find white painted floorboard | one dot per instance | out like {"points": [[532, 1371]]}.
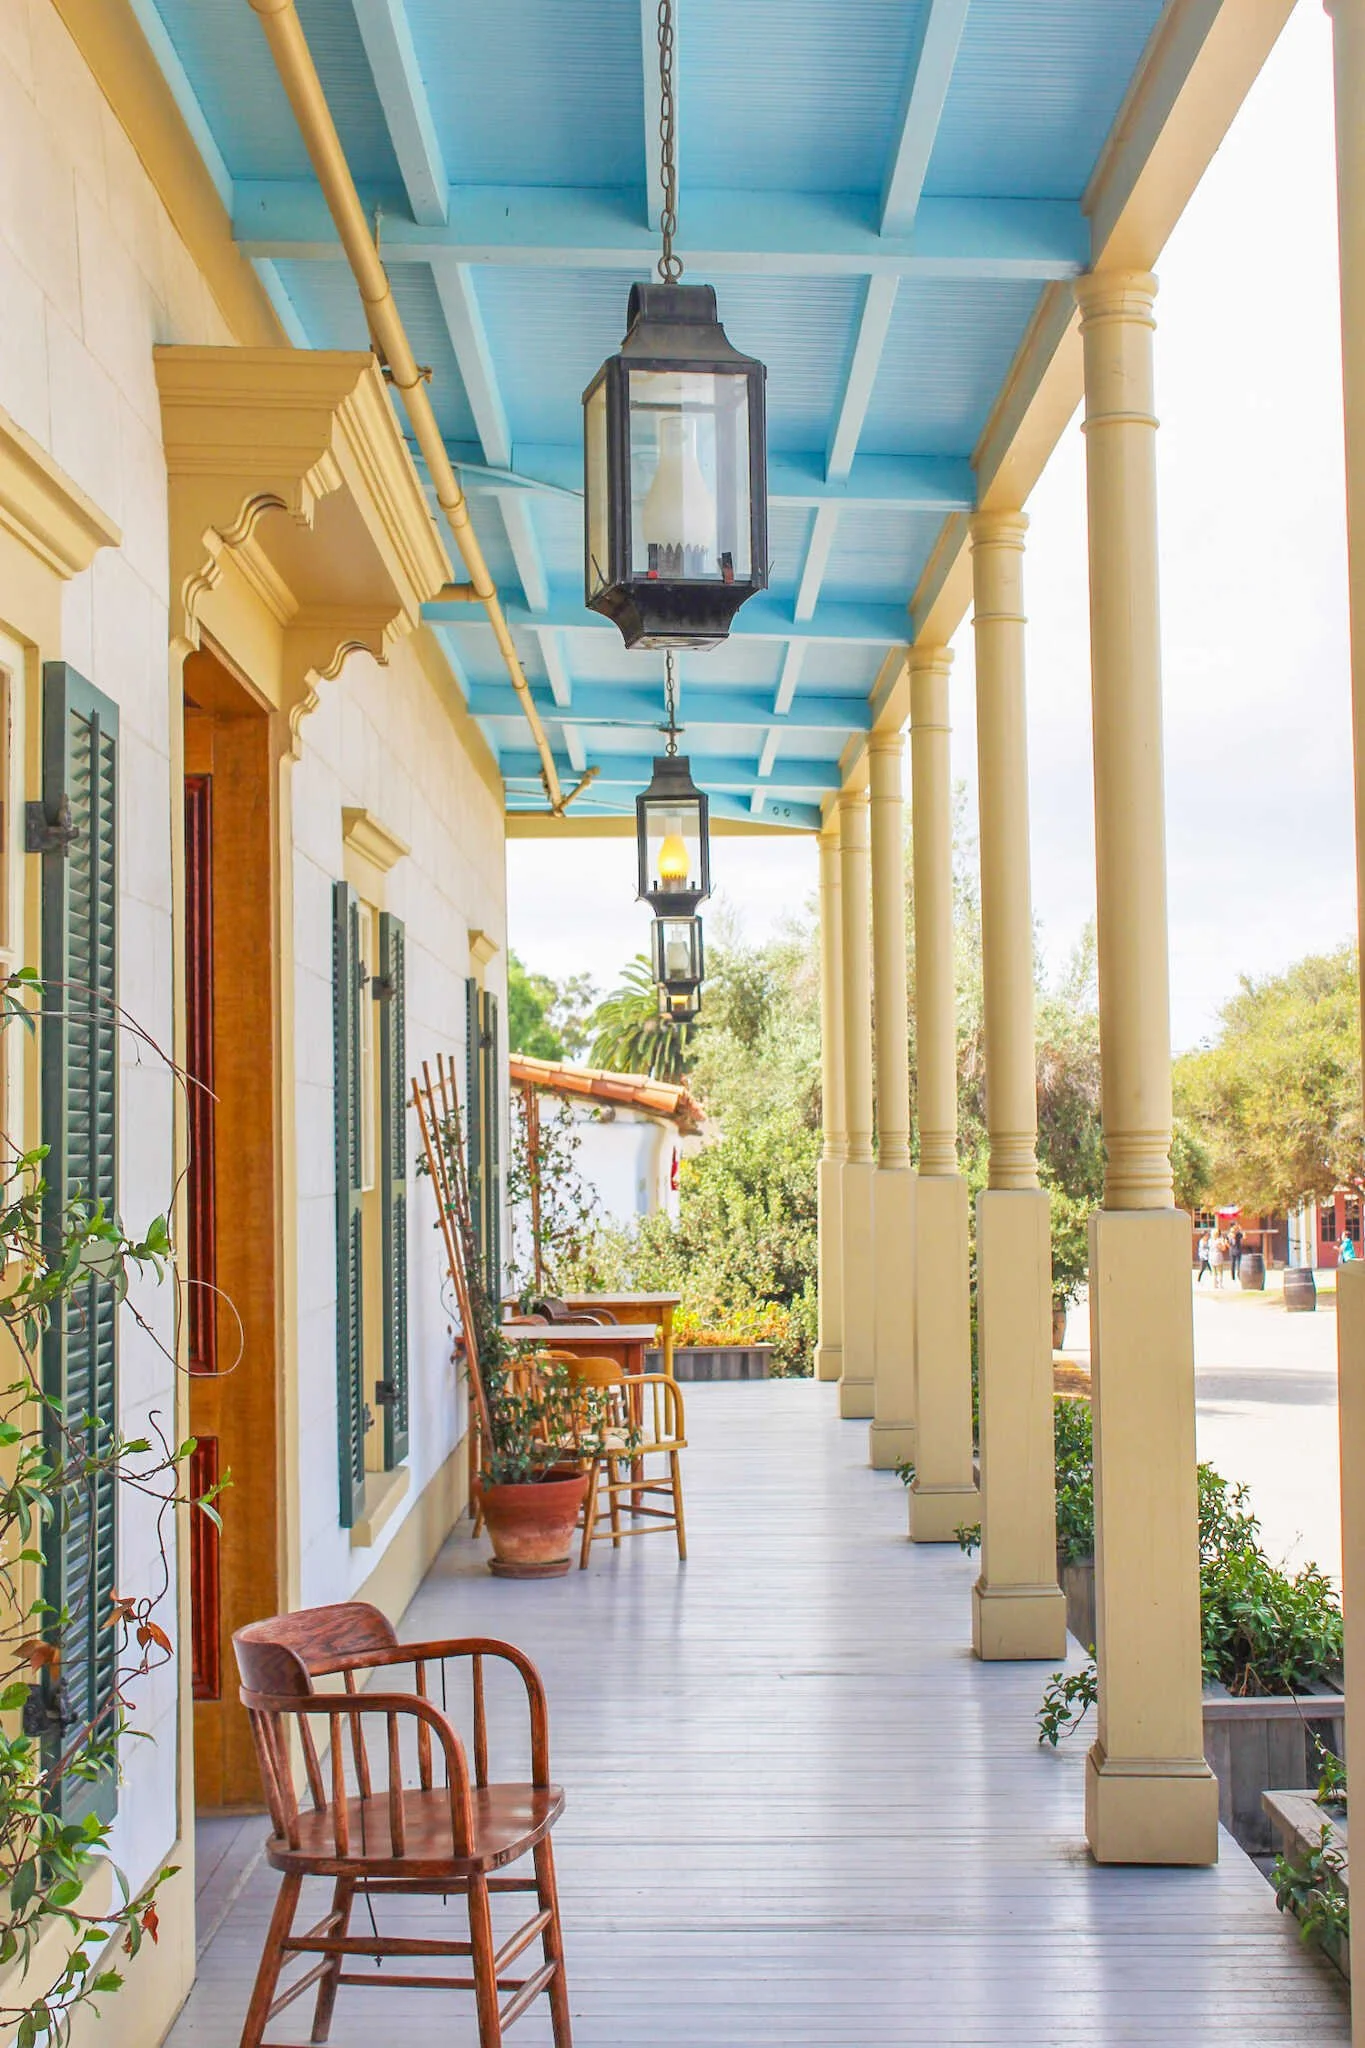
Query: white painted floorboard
{"points": [[800, 1813]]}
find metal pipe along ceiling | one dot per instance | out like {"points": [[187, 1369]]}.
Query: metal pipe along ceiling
{"points": [[294, 61]]}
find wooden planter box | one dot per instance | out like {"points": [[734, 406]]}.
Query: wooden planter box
{"points": [[1296, 1821], [1251, 1745], [1254, 1746], [715, 1361]]}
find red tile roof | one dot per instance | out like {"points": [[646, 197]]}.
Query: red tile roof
{"points": [[636, 1091]]}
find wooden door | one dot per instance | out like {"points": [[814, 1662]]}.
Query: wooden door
{"points": [[230, 1195]]}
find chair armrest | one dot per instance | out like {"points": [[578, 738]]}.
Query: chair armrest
{"points": [[482, 1646], [353, 1706]]}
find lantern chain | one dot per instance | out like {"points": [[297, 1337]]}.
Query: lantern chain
{"points": [[670, 266], [671, 702]]}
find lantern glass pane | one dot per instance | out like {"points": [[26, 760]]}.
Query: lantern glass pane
{"points": [[673, 845], [677, 949], [689, 476], [595, 443]]}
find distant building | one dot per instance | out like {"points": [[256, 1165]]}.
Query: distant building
{"points": [[631, 1132], [1317, 1229]]}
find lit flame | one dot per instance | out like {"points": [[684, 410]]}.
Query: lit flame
{"points": [[673, 859]]}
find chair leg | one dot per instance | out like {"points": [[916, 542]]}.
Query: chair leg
{"points": [[589, 1513], [614, 1480], [485, 1976], [272, 1961], [675, 1466], [557, 1990], [343, 1891]]}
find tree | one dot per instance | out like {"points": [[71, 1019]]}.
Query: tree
{"points": [[629, 1035], [1274, 1102], [530, 1001]]}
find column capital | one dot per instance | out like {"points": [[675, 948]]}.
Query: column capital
{"points": [[998, 530], [1126, 295], [930, 657], [852, 807], [888, 741], [929, 674]]}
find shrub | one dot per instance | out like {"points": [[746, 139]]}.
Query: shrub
{"points": [[1265, 1630], [1072, 1435]]}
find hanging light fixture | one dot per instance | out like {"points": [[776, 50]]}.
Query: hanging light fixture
{"points": [[672, 835], [677, 954], [675, 451], [680, 1006]]}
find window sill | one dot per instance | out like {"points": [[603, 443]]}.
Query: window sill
{"points": [[383, 1492]]}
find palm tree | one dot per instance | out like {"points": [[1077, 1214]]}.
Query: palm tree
{"points": [[629, 1035]]}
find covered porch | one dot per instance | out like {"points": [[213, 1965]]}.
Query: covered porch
{"points": [[802, 1812]]}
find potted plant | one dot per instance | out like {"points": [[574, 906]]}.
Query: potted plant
{"points": [[538, 1430]]}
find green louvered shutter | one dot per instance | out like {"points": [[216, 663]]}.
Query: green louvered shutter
{"points": [[350, 1305], [492, 1141], [393, 1147], [473, 1104], [80, 1127]]}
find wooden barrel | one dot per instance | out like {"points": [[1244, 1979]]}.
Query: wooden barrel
{"points": [[1252, 1273], [1300, 1290]]}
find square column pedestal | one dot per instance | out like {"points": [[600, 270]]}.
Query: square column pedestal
{"points": [[859, 1221], [891, 1439], [1018, 1609], [1149, 1795]]}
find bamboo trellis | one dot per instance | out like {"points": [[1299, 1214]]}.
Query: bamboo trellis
{"points": [[438, 1113]]}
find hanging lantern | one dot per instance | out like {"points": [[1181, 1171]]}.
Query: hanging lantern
{"points": [[672, 840], [677, 954], [675, 453]]}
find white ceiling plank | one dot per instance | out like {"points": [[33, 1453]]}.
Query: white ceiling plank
{"points": [[387, 36], [768, 756], [573, 747], [931, 70], [878, 303]]}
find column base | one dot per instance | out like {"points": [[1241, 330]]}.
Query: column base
{"points": [[890, 1444], [829, 1361], [1150, 1811], [1018, 1623], [938, 1512], [856, 1398]]}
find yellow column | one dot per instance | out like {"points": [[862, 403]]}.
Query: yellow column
{"points": [[1348, 45], [943, 1496], [1150, 1796], [860, 1173], [1017, 1606], [829, 1354], [891, 1439]]}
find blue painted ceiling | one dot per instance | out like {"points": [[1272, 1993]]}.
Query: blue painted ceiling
{"points": [[907, 171]]}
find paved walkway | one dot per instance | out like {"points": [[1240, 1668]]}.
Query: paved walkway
{"points": [[801, 1813]]}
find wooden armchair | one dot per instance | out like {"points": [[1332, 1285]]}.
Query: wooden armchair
{"points": [[644, 1421], [361, 1825]]}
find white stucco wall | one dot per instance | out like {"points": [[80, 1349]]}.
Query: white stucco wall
{"points": [[627, 1158], [381, 740]]}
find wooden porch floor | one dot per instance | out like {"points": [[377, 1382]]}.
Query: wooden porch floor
{"points": [[801, 1813]]}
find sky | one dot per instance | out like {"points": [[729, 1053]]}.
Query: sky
{"points": [[1254, 627]]}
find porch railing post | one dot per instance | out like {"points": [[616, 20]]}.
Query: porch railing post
{"points": [[1017, 1605], [859, 1175], [1348, 47], [891, 1439], [943, 1494], [1150, 1796], [829, 1356]]}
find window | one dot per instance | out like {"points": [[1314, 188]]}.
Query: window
{"points": [[1353, 1218], [1204, 1219], [1327, 1222], [369, 995]]}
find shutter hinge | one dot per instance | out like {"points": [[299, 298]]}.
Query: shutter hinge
{"points": [[385, 1394], [43, 834], [367, 1419], [382, 988]]}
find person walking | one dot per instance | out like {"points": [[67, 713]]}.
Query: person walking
{"points": [[1347, 1255], [1204, 1266], [1219, 1259], [1237, 1241]]}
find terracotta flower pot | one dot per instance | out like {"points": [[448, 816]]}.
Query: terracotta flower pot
{"points": [[531, 1526]]}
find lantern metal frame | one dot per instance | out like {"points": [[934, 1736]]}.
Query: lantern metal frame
{"points": [[672, 788], [671, 328], [696, 951], [679, 1006]]}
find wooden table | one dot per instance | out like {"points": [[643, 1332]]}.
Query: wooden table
{"points": [[621, 1307], [625, 1344]]}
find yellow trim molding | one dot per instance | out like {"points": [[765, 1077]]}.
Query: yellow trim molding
{"points": [[41, 506], [294, 502], [481, 948], [363, 833]]}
